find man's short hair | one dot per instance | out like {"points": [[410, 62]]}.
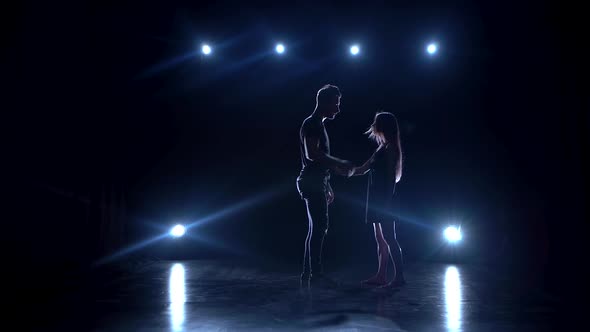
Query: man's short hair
{"points": [[327, 94]]}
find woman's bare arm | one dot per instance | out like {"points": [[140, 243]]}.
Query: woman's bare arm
{"points": [[362, 170]]}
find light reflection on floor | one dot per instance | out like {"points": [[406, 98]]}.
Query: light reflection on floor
{"points": [[177, 292], [453, 298]]}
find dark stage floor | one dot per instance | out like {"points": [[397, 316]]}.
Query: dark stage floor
{"points": [[227, 296]]}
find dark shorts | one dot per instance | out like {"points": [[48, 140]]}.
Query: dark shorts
{"points": [[311, 187]]}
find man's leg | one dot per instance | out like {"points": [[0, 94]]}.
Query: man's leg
{"points": [[306, 254], [317, 211]]}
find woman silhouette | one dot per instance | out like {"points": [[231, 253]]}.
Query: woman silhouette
{"points": [[385, 170]]}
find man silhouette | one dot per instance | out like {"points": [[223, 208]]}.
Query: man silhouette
{"points": [[313, 182]]}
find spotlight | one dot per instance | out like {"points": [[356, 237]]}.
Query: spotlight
{"points": [[354, 50], [453, 234], [432, 48], [206, 49], [280, 48], [177, 231]]}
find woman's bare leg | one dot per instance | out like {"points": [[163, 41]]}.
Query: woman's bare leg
{"points": [[383, 254], [388, 230]]}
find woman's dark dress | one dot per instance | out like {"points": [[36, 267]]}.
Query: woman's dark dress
{"points": [[381, 186]]}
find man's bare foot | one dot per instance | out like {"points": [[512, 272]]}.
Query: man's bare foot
{"points": [[395, 283], [375, 281]]}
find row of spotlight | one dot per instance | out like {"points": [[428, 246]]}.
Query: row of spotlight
{"points": [[355, 50]]}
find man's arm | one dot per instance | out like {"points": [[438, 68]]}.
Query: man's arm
{"points": [[313, 153], [329, 193]]}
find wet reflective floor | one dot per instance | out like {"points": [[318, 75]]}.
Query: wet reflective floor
{"points": [[227, 296]]}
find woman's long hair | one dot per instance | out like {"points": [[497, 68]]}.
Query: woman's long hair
{"points": [[385, 130]]}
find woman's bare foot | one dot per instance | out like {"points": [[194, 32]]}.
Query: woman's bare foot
{"points": [[376, 280]]}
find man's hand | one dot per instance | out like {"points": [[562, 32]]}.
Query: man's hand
{"points": [[330, 196], [344, 168]]}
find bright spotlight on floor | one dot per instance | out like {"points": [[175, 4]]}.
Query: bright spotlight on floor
{"points": [[432, 48], [206, 49], [177, 231], [354, 50], [453, 234], [280, 48]]}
